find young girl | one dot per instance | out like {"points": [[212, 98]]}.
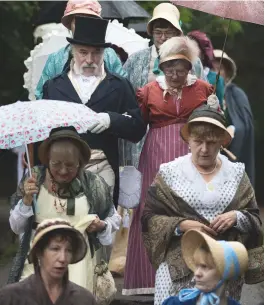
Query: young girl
{"points": [[213, 263]]}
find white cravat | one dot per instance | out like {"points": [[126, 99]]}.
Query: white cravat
{"points": [[85, 85]]}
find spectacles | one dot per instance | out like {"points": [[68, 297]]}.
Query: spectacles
{"points": [[170, 73], [59, 165], [170, 34]]}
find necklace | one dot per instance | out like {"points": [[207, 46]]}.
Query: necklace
{"points": [[207, 173], [61, 207]]}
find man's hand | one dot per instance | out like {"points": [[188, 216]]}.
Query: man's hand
{"points": [[102, 123], [224, 222]]}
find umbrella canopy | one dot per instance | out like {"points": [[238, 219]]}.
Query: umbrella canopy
{"points": [[52, 11], [29, 122], [244, 10], [122, 10]]}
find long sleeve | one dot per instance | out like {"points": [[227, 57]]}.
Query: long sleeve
{"points": [[141, 95], [243, 224], [128, 123], [113, 62], [113, 224], [19, 216]]}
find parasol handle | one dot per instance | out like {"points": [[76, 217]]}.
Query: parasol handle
{"points": [[218, 74], [29, 165]]}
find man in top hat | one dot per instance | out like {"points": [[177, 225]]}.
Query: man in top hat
{"points": [[88, 81]]}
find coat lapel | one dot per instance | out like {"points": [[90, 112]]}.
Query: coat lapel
{"points": [[66, 89]]}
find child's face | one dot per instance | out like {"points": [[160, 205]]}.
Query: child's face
{"points": [[206, 275]]}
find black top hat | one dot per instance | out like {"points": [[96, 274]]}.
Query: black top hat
{"points": [[90, 32]]}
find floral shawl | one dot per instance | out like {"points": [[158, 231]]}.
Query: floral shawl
{"points": [[164, 210], [99, 197]]}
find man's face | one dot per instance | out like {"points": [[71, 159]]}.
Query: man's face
{"points": [[160, 35], [88, 60]]}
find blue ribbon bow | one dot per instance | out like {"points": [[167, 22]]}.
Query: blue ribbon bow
{"points": [[210, 298]]}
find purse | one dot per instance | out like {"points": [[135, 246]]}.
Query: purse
{"points": [[130, 187], [255, 272], [104, 284]]}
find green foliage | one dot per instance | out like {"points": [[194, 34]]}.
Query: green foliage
{"points": [[16, 41]]}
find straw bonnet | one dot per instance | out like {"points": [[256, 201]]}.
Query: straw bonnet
{"points": [[67, 133], [209, 115], [49, 225], [228, 60], [220, 250], [179, 48], [75, 7], [165, 11]]}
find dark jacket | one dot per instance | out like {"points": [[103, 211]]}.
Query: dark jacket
{"points": [[240, 115], [31, 291], [115, 96]]}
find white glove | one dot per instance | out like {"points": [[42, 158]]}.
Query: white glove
{"points": [[102, 123]]}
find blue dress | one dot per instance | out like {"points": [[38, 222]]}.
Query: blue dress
{"points": [[176, 301], [56, 62], [220, 87]]}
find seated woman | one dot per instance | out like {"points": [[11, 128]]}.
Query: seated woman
{"points": [[202, 190], [56, 244], [166, 105], [213, 263], [63, 188]]}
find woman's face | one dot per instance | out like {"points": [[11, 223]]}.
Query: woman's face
{"points": [[176, 73], [63, 161], [204, 151], [55, 258], [206, 277]]}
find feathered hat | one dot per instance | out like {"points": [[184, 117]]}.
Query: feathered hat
{"points": [[179, 48]]}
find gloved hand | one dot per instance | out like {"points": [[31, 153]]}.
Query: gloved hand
{"points": [[213, 101], [102, 123]]}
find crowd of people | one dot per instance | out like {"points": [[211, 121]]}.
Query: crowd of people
{"points": [[197, 216]]}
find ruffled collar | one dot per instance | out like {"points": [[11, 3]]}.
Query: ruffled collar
{"points": [[161, 80]]}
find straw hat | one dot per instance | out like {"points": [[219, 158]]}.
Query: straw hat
{"points": [[228, 60], [67, 133], [74, 7], [49, 225], [179, 48], [209, 115], [165, 11], [193, 239]]}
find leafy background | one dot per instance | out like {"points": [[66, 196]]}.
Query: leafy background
{"points": [[245, 45]]}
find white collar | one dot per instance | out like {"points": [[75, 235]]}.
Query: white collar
{"points": [[161, 80], [154, 53]]}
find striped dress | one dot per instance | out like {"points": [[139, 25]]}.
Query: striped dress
{"points": [[163, 144]]}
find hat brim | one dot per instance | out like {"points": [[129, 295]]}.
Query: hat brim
{"points": [[86, 43], [45, 146], [194, 239], [184, 132], [67, 19], [79, 252], [164, 16]]}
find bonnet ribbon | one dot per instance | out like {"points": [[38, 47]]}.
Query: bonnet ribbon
{"points": [[156, 69], [210, 298]]}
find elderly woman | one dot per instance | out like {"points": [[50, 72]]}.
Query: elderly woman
{"points": [[213, 263], [56, 244], [202, 190], [166, 105], [58, 61], [63, 188]]}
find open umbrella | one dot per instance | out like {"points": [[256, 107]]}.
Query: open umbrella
{"points": [[244, 10], [23, 123]]}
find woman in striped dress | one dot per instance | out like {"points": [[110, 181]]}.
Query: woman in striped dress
{"points": [[166, 105]]}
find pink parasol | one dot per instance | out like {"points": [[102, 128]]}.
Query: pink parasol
{"points": [[242, 10]]}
